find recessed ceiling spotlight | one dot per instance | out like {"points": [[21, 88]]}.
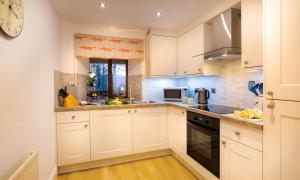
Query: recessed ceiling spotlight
{"points": [[102, 5], [158, 14]]}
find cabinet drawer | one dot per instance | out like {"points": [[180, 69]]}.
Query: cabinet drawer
{"points": [[70, 117], [249, 136]]}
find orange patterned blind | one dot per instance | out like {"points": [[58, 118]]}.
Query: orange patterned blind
{"points": [[91, 46]]}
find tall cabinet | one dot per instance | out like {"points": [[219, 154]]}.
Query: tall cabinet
{"points": [[282, 90]]}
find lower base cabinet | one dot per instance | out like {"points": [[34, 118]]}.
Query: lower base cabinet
{"points": [[177, 131], [239, 162], [111, 133], [73, 143], [150, 129]]}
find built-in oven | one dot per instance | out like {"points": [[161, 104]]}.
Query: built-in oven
{"points": [[203, 141]]}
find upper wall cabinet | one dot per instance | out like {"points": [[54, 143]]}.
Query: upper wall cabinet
{"points": [[252, 33], [282, 48], [189, 47], [161, 55]]}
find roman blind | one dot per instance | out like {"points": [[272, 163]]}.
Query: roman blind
{"points": [[92, 46]]}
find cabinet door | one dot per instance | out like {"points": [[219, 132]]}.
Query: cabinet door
{"points": [[189, 45], [239, 161], [111, 133], [282, 49], [163, 55], [73, 143], [281, 140], [177, 131], [182, 54], [150, 131], [196, 45], [252, 33]]}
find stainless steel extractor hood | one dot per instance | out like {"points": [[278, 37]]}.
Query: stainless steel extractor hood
{"points": [[222, 36]]}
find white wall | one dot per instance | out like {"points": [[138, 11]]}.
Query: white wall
{"points": [[26, 92]]}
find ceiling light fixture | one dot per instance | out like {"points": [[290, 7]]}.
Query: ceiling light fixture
{"points": [[102, 5], [158, 14]]}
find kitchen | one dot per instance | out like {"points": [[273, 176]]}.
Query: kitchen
{"points": [[149, 89]]}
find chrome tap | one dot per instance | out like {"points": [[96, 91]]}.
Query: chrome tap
{"points": [[131, 94]]}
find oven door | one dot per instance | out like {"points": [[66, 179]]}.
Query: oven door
{"points": [[203, 145]]}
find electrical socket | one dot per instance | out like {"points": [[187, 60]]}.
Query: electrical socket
{"points": [[213, 90]]}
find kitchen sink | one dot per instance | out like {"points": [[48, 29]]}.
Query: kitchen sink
{"points": [[142, 102]]}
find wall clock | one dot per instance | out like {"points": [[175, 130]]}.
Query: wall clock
{"points": [[11, 17]]}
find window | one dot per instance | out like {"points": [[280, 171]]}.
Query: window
{"points": [[108, 77]]}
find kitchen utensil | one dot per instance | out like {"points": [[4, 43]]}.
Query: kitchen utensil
{"points": [[261, 88], [252, 86]]}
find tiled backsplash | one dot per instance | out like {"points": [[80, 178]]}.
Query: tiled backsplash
{"points": [[63, 79], [231, 86]]}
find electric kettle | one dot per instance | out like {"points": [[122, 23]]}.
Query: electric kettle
{"points": [[203, 96]]}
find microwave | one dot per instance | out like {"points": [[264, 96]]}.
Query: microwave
{"points": [[175, 94]]}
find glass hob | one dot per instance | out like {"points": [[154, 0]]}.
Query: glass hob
{"points": [[219, 109]]}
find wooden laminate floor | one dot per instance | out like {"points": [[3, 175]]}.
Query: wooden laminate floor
{"points": [[160, 168]]}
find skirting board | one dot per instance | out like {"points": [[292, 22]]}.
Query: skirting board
{"points": [[190, 168], [112, 161], [53, 174]]}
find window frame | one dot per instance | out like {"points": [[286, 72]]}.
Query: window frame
{"points": [[110, 62]]}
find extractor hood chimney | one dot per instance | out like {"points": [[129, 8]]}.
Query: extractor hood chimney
{"points": [[222, 36]]}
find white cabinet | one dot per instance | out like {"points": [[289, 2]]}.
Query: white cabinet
{"points": [[282, 46], [73, 143], [252, 33], [182, 54], [195, 40], [239, 161], [282, 84], [281, 140], [161, 55], [177, 131], [72, 116], [249, 136], [189, 45], [241, 152], [111, 133], [150, 129], [189, 61]]}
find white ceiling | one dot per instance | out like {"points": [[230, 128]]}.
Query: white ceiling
{"points": [[139, 14]]}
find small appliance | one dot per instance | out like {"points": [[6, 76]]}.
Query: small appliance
{"points": [[175, 94], [203, 95]]}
